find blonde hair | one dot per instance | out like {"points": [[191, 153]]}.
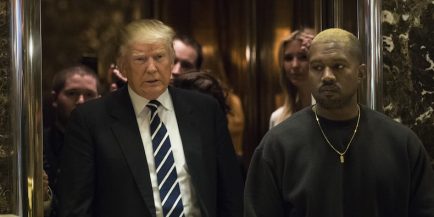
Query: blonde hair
{"points": [[290, 92], [337, 35], [145, 31]]}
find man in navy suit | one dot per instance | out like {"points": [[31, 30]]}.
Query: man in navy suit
{"points": [[108, 166]]}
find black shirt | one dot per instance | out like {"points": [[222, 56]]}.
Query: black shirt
{"points": [[294, 172]]}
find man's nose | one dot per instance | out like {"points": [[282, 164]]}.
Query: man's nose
{"points": [[328, 75], [80, 99], [151, 66], [176, 68]]}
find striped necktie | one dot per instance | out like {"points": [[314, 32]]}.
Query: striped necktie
{"points": [[168, 185]]}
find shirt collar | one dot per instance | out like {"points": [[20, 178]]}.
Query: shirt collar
{"points": [[139, 102]]}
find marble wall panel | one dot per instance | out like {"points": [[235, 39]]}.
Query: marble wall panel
{"points": [[6, 149], [408, 56]]}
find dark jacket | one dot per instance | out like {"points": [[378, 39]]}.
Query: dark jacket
{"points": [[104, 168]]}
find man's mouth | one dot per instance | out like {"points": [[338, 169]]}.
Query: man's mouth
{"points": [[329, 88], [151, 81]]}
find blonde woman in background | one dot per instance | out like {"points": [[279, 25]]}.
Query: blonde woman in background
{"points": [[294, 75]]}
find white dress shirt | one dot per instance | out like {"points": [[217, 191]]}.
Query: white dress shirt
{"points": [[166, 113]]}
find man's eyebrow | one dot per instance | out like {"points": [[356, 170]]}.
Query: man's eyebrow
{"points": [[75, 89], [137, 54], [160, 51], [340, 60], [336, 59]]}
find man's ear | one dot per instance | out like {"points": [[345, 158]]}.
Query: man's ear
{"points": [[361, 72], [54, 98]]}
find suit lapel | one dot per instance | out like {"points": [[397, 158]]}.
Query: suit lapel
{"points": [[191, 141], [126, 131]]}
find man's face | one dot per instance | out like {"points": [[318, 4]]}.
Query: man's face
{"points": [[77, 90], [148, 68], [336, 74], [185, 57], [295, 63]]}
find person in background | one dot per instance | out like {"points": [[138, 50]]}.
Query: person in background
{"points": [[71, 87], [338, 158], [294, 75], [149, 149], [235, 121], [188, 52], [189, 57], [205, 83], [202, 82]]}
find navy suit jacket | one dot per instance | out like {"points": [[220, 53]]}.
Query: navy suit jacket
{"points": [[104, 172]]}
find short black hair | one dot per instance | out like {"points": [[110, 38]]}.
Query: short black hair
{"points": [[190, 41], [60, 77]]}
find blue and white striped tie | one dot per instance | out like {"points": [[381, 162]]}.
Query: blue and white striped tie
{"points": [[170, 193]]}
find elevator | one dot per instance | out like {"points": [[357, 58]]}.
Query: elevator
{"points": [[239, 38]]}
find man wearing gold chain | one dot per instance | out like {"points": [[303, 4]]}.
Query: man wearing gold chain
{"points": [[338, 158]]}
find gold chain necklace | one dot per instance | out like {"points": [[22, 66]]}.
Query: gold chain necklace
{"points": [[341, 154]]}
